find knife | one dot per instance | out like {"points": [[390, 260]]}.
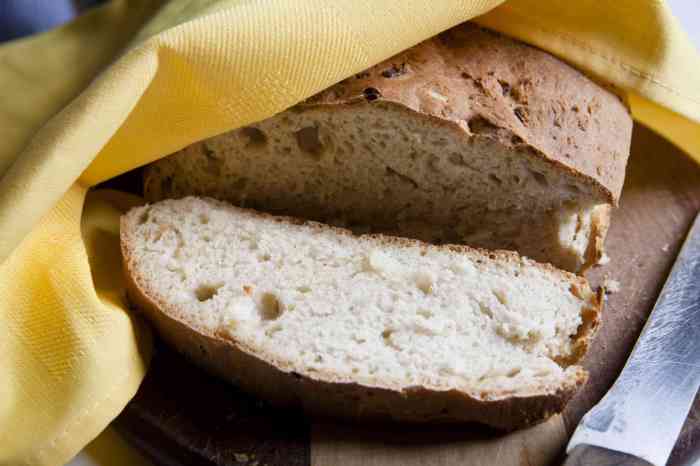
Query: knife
{"points": [[639, 419]]}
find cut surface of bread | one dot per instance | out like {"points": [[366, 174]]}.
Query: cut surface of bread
{"points": [[469, 137], [359, 326]]}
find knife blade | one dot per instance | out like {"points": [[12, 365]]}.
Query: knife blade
{"points": [[643, 413]]}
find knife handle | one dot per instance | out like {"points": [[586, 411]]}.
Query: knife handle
{"points": [[589, 455]]}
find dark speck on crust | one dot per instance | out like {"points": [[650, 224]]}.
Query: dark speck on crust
{"points": [[394, 71], [371, 94]]}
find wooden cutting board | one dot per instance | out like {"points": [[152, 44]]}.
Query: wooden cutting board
{"points": [[181, 416]]}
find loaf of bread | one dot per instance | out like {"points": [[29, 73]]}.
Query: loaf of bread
{"points": [[469, 137], [368, 326]]}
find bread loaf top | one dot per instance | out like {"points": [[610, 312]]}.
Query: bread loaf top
{"points": [[493, 87]]}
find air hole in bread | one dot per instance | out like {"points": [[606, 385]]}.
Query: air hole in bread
{"points": [[144, 217], [485, 309], [501, 297], [270, 307], [513, 372], [480, 125], [391, 172], [309, 141], [256, 138], [203, 219], [264, 257], [424, 281], [495, 179], [206, 292], [521, 114], [303, 289], [540, 178]]}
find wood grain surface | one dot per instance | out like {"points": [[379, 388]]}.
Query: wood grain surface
{"points": [[588, 455], [181, 416], [337, 444]]}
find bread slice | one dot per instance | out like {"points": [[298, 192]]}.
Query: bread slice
{"points": [[359, 326], [469, 137]]}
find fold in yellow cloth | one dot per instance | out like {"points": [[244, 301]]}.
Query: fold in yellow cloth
{"points": [[71, 356]]}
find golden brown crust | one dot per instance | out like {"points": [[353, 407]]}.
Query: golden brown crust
{"points": [[490, 86], [327, 395]]}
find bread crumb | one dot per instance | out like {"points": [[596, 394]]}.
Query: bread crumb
{"points": [[604, 259], [611, 286], [665, 247], [241, 457]]}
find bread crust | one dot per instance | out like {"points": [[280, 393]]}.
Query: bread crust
{"points": [[328, 394], [489, 86]]}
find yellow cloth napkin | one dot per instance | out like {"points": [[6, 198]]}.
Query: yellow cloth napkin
{"points": [[71, 356]]}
